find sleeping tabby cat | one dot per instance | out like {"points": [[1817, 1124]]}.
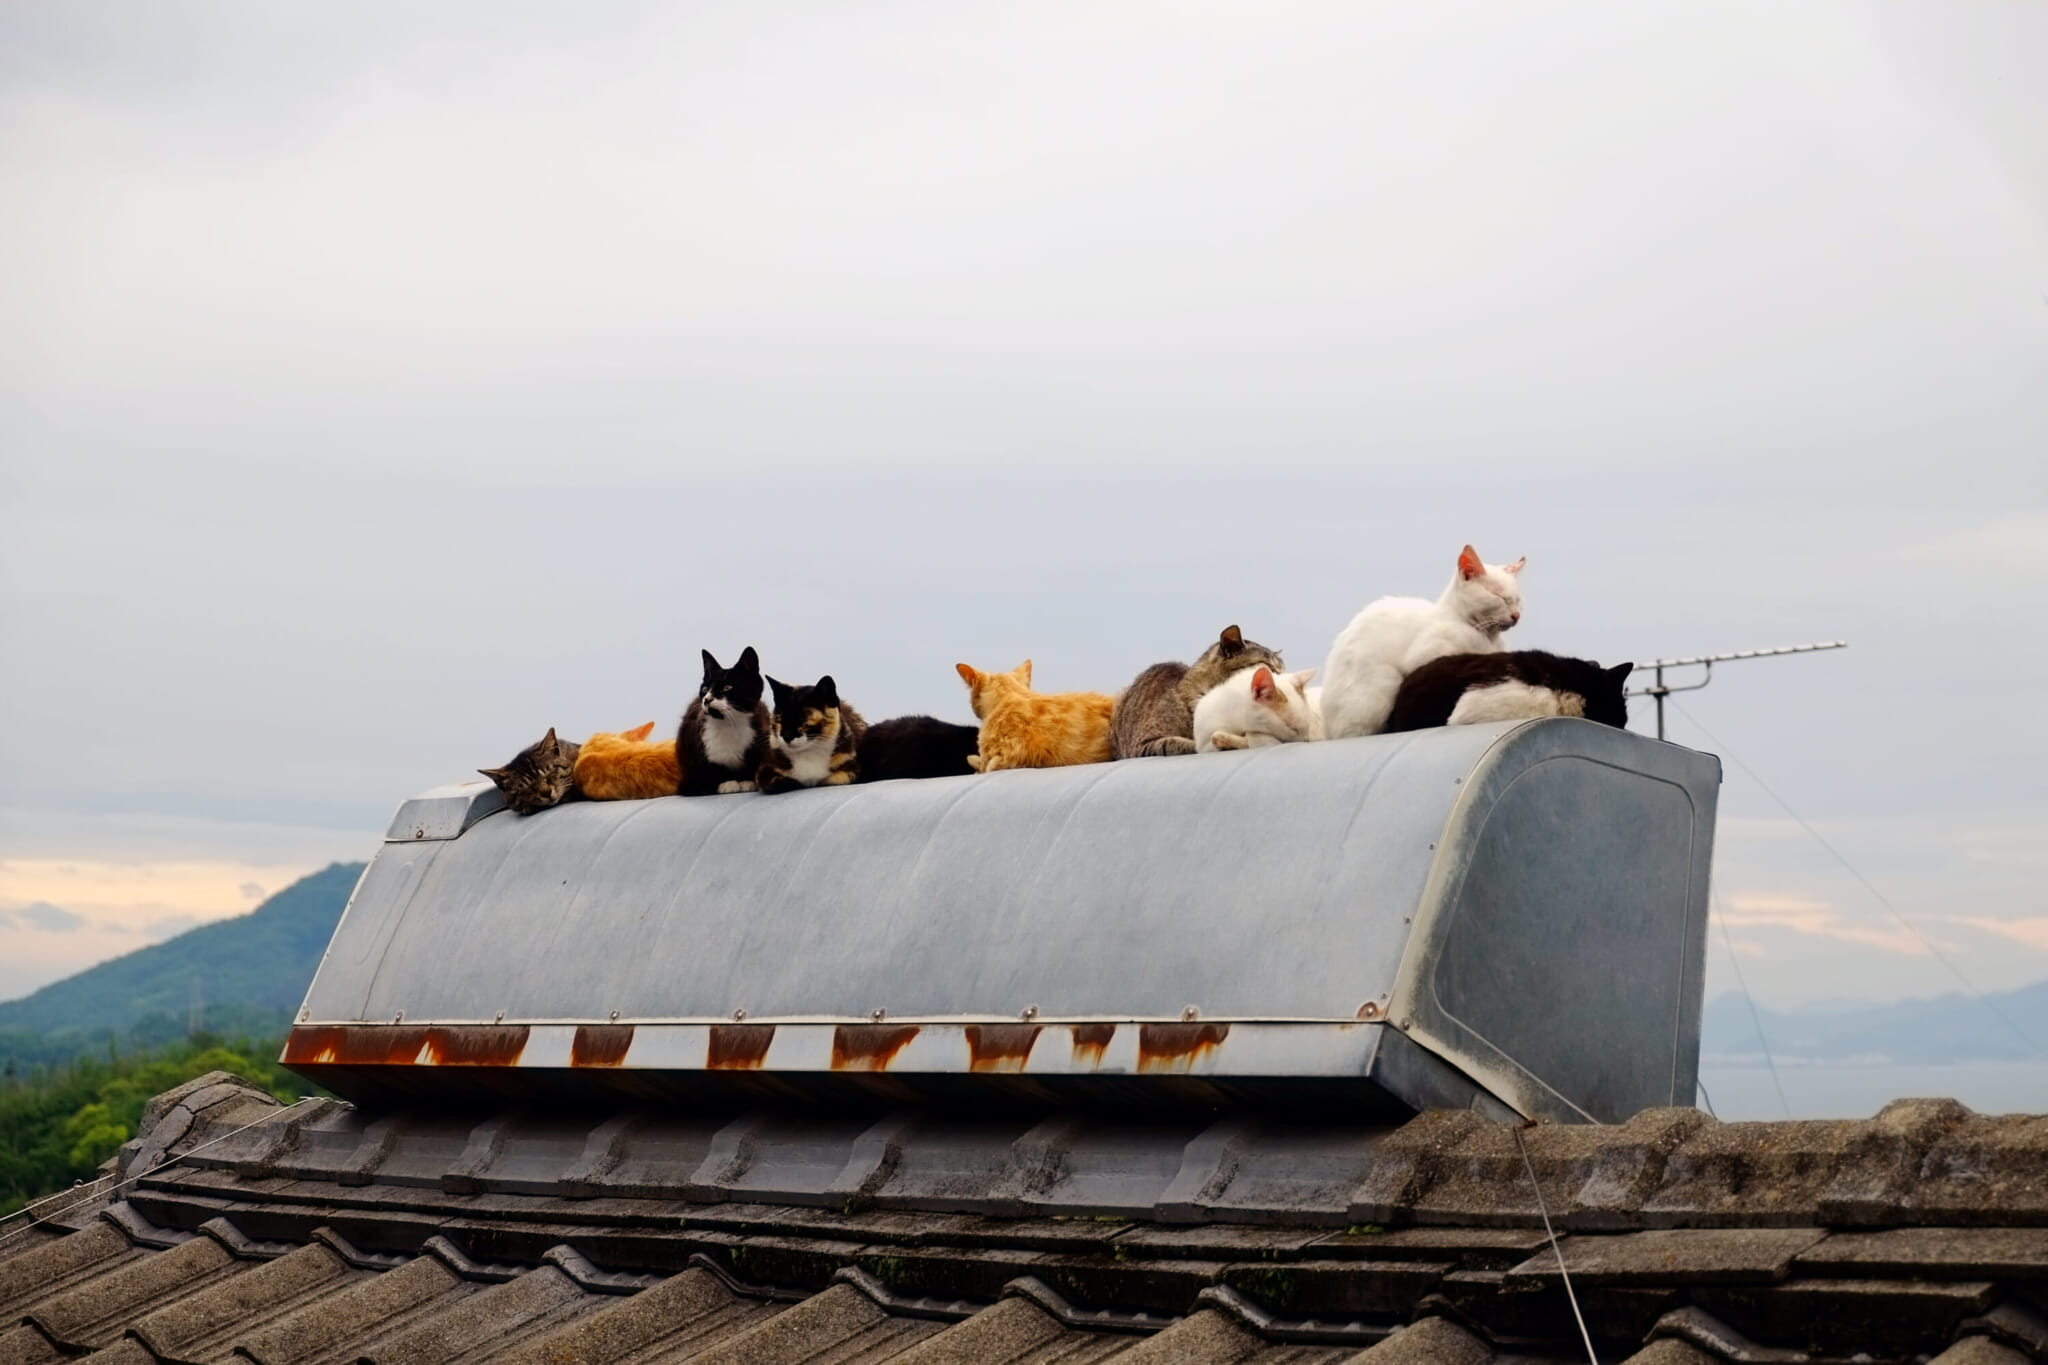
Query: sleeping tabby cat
{"points": [[1025, 729], [1156, 713], [627, 766], [540, 775]]}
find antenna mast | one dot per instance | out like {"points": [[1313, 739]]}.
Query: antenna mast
{"points": [[1659, 690]]}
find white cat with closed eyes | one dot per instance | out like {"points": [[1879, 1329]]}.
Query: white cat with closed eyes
{"points": [[1254, 707], [1395, 636]]}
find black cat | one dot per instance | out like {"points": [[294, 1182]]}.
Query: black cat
{"points": [[917, 746], [1470, 689], [724, 735]]}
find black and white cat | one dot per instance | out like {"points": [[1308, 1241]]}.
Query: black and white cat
{"points": [[1471, 689], [724, 735]]}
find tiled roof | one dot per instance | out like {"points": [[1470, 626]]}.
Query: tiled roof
{"points": [[329, 1235]]}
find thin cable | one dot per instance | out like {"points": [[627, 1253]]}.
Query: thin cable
{"points": [[1876, 894], [1709, 1099], [1754, 1018], [1555, 1250], [304, 1099]]}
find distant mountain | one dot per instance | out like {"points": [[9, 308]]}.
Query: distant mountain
{"points": [[1998, 1026], [252, 973]]}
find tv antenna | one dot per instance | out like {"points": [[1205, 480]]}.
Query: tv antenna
{"points": [[1660, 690]]}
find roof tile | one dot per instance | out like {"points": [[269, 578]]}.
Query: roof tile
{"points": [[94, 1313], [1432, 1341], [1687, 1256]]}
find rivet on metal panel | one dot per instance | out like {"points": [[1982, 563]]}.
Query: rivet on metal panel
{"points": [[615, 1016], [419, 831], [499, 1017], [877, 1016], [1369, 1010], [1407, 1024], [398, 1018], [738, 1015], [1029, 1013], [1190, 1013], [304, 1015]]}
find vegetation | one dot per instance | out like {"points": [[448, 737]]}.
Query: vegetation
{"points": [[251, 972], [58, 1123]]}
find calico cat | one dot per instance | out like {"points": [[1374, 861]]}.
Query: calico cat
{"points": [[1025, 729], [627, 766], [813, 738], [1395, 636], [917, 746], [540, 775], [1255, 707], [1471, 689], [724, 735], [1156, 713]]}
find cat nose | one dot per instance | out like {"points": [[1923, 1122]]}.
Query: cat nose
{"points": [[1514, 618]]}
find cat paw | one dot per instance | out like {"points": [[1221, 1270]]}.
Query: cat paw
{"points": [[974, 762], [1171, 744], [728, 788], [1225, 739]]}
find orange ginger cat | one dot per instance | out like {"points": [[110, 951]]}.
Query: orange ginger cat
{"points": [[628, 766], [1025, 729]]}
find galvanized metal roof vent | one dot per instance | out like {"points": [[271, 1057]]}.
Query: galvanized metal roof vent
{"points": [[1510, 917]]}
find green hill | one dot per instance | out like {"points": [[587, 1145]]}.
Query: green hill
{"points": [[252, 972]]}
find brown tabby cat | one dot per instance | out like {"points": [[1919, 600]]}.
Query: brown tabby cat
{"points": [[1156, 713], [540, 775], [627, 766], [1025, 729]]}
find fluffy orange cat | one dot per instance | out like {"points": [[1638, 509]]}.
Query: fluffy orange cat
{"points": [[628, 766], [1025, 729]]}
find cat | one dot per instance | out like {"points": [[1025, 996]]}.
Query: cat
{"points": [[1025, 729], [1156, 713], [917, 746], [540, 775], [813, 738], [628, 766], [1394, 636], [724, 734], [1255, 707], [1471, 689]]}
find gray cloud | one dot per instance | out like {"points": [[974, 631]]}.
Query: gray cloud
{"points": [[50, 919]]}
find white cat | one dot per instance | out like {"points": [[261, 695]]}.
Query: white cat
{"points": [[1254, 707], [1396, 635]]}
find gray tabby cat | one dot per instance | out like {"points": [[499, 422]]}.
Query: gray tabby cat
{"points": [[1156, 714]]}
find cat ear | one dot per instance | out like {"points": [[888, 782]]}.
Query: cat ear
{"points": [[750, 662], [710, 663], [1231, 640], [1263, 686], [1469, 563], [1304, 677], [1620, 672], [1022, 672], [548, 743], [781, 690], [640, 731], [497, 775], [825, 692], [1515, 567], [967, 674]]}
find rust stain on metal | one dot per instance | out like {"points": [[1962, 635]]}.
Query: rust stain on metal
{"points": [[1091, 1041], [1000, 1047], [600, 1044], [1176, 1047], [353, 1045], [869, 1047], [404, 1044], [476, 1045], [739, 1047]]}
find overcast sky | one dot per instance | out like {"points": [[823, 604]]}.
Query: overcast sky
{"points": [[381, 384]]}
